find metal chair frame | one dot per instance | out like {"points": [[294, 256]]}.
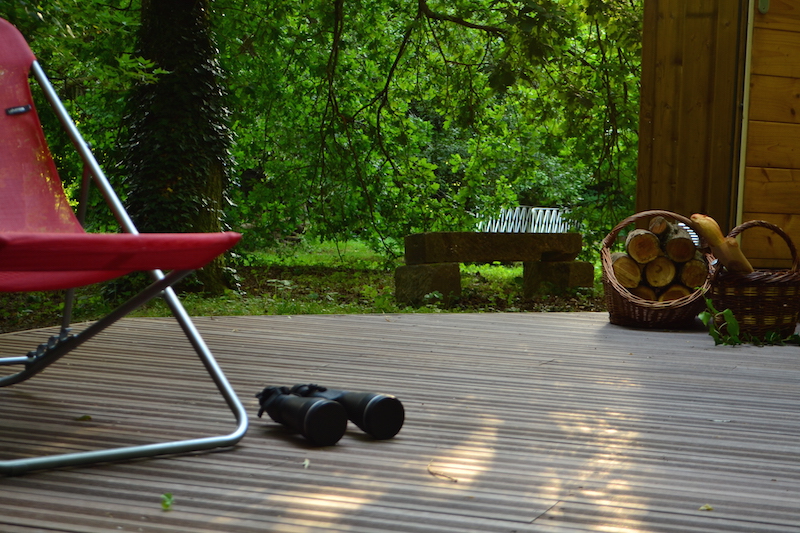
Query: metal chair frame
{"points": [[59, 345]]}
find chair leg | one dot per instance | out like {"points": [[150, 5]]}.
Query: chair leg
{"points": [[59, 345], [59, 349]]}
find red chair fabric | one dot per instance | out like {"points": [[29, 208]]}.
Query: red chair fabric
{"points": [[42, 244], [52, 261], [31, 195]]}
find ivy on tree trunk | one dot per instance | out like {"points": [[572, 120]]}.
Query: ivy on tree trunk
{"points": [[177, 150]]}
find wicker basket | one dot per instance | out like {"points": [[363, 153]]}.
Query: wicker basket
{"points": [[763, 301], [627, 309]]}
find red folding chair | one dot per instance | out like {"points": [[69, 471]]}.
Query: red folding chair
{"points": [[43, 247]]}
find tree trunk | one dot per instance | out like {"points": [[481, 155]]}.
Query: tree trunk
{"points": [[178, 141]]}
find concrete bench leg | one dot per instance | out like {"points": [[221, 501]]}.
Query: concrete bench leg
{"points": [[555, 276], [413, 282]]}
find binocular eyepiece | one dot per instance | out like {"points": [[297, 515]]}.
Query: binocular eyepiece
{"points": [[320, 414]]}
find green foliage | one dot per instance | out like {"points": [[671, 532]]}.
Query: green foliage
{"points": [[86, 49], [724, 329], [374, 119], [773, 338], [167, 501], [722, 325]]}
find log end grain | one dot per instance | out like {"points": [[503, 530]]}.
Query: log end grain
{"points": [[643, 245], [627, 271], [673, 292], [660, 272]]}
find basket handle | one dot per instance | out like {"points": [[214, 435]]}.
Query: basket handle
{"points": [[608, 242], [770, 226]]}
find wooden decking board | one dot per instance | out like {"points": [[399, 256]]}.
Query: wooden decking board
{"points": [[515, 422], [632, 519], [257, 509]]}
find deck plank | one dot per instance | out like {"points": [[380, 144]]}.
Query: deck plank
{"points": [[545, 422]]}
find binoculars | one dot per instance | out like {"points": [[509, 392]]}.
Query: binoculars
{"points": [[320, 414]]}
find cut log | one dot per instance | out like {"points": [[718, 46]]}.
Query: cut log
{"points": [[644, 292], [642, 245], [673, 292], [695, 271], [660, 272], [678, 244], [626, 270], [659, 225]]}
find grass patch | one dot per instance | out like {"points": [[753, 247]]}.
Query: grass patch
{"points": [[299, 279], [351, 254]]}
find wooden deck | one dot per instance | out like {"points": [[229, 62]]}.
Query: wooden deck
{"points": [[548, 422]]}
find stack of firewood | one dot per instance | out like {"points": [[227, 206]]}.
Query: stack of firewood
{"points": [[660, 263]]}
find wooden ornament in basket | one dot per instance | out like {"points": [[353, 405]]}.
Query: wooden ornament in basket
{"points": [[627, 309], [763, 301]]}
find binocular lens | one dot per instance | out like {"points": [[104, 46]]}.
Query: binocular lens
{"points": [[379, 415], [322, 422]]}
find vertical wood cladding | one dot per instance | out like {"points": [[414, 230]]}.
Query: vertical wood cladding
{"points": [[691, 99], [772, 160]]}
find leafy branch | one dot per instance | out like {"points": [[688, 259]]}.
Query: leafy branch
{"points": [[724, 329], [429, 13], [722, 326]]}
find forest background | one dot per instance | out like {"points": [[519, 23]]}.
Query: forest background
{"points": [[347, 121]]}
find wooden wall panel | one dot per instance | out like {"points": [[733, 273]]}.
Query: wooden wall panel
{"points": [[646, 181], [778, 99], [782, 15], [696, 107], [772, 178], [773, 144], [727, 95], [660, 95], [766, 249], [775, 53], [771, 194], [692, 86], [772, 190]]}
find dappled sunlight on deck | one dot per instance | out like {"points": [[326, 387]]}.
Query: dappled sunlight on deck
{"points": [[514, 422], [467, 460]]}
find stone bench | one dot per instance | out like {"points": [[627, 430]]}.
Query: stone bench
{"points": [[433, 262]]}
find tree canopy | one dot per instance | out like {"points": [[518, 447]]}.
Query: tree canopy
{"points": [[379, 118]]}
